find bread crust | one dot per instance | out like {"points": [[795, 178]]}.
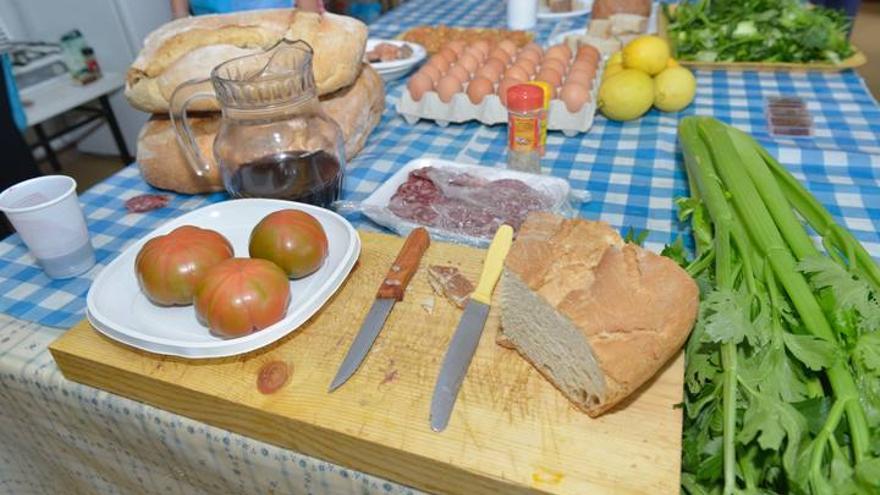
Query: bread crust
{"points": [[634, 308], [189, 48], [357, 109], [603, 9]]}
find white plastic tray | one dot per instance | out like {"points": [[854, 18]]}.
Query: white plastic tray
{"points": [[118, 309], [491, 111], [375, 206], [581, 7]]}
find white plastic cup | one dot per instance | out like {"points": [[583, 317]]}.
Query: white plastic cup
{"points": [[522, 14], [46, 213]]}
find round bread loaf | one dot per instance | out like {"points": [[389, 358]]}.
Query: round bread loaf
{"points": [[189, 48], [596, 316], [356, 108]]}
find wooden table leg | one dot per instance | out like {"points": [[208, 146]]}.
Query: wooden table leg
{"points": [[114, 128]]}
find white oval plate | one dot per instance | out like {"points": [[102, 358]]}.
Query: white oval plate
{"points": [[581, 7], [118, 309], [419, 54]]}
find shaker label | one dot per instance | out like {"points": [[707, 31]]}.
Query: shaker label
{"points": [[525, 133]]}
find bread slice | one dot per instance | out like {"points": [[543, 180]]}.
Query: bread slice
{"points": [[597, 317]]}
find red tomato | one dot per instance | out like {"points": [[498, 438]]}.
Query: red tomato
{"points": [[169, 266], [292, 239], [240, 296]]}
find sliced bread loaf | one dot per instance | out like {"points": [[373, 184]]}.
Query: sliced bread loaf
{"points": [[597, 317]]}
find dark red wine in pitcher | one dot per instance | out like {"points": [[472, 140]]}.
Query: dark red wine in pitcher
{"points": [[307, 177]]}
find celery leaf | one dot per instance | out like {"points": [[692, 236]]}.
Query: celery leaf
{"points": [[850, 292], [867, 351], [770, 421], [814, 352], [725, 314]]}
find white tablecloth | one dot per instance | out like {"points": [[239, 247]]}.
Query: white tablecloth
{"points": [[59, 437]]}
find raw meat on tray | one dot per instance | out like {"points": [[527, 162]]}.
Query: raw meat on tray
{"points": [[463, 203]]}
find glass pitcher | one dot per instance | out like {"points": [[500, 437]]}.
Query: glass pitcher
{"points": [[274, 140]]}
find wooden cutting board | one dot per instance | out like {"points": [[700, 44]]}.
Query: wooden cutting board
{"points": [[511, 431]]}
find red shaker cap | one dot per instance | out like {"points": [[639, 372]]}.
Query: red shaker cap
{"points": [[525, 98]]}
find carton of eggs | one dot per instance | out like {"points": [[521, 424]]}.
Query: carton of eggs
{"points": [[469, 82]]}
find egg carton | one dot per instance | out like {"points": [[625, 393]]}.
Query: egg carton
{"points": [[491, 111]]}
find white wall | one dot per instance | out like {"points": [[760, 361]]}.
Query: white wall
{"points": [[114, 28]]}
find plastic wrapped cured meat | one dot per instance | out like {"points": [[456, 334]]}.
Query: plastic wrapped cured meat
{"points": [[464, 203]]}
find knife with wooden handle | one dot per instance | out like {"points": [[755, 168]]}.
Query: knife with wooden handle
{"points": [[393, 286], [470, 328]]}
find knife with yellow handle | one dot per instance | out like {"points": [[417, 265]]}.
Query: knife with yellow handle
{"points": [[470, 328]]}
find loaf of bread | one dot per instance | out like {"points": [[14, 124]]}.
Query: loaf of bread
{"points": [[596, 316], [356, 108], [189, 48], [603, 9]]}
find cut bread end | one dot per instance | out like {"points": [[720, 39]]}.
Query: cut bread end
{"points": [[563, 356]]}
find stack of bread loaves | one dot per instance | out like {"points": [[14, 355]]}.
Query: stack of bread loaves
{"points": [[350, 91]]}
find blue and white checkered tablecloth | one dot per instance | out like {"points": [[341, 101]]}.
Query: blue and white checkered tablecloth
{"points": [[632, 170]]}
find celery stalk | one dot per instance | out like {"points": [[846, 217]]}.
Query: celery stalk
{"points": [[759, 222]]}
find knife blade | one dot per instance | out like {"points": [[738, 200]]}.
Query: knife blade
{"points": [[391, 291], [467, 334]]}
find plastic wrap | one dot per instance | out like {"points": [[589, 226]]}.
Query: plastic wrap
{"points": [[788, 116], [464, 203]]}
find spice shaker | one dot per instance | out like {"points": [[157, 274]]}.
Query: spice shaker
{"points": [[545, 87], [525, 110]]}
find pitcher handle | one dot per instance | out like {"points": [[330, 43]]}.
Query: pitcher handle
{"points": [[183, 96]]}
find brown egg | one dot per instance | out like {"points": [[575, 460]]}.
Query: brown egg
{"points": [[534, 47], [580, 76], [447, 87], [508, 46], [479, 88], [498, 62], [475, 52], [460, 73], [587, 52], [457, 46], [527, 66], [582, 65], [500, 55], [555, 64], [469, 62], [448, 54], [561, 52], [482, 45], [440, 63], [533, 57], [550, 76], [517, 73], [490, 72], [574, 96], [432, 72], [418, 85], [503, 86]]}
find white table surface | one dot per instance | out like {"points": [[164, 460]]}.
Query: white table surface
{"points": [[62, 94]]}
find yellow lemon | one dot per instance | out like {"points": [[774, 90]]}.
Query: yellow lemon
{"points": [[648, 53], [672, 63], [674, 89], [626, 95], [612, 70], [615, 58]]}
